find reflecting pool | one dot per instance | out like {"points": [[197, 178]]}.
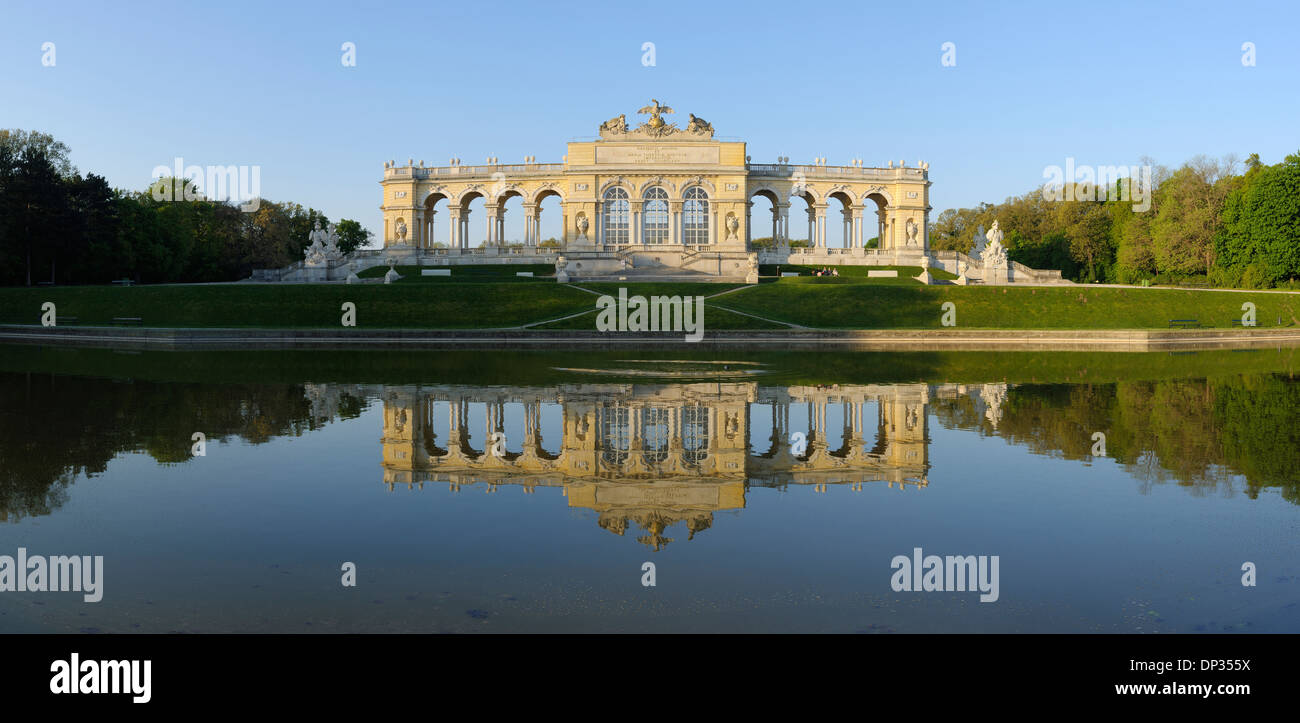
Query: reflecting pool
{"points": [[526, 491]]}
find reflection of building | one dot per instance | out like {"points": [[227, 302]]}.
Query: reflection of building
{"points": [[656, 454]]}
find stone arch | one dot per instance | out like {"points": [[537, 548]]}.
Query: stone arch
{"points": [[693, 182], [618, 182], [468, 194], [428, 235], [880, 191], [849, 206], [658, 181], [544, 192], [884, 203]]}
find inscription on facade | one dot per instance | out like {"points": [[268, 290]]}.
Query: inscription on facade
{"points": [[656, 154]]}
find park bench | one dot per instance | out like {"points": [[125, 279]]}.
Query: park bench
{"points": [[65, 320], [123, 282], [1184, 324], [127, 321], [1239, 322]]}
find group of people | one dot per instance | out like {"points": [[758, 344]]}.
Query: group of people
{"points": [[823, 271]]}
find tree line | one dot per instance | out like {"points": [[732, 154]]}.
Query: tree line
{"points": [[59, 226], [1205, 222]]}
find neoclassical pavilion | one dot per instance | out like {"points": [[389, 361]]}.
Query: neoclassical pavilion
{"points": [[655, 196]]}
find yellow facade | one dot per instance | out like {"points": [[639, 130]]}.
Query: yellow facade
{"points": [[657, 189]]}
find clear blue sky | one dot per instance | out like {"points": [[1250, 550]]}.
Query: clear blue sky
{"points": [[136, 85]]}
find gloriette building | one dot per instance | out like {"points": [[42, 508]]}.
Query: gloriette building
{"points": [[660, 198]]}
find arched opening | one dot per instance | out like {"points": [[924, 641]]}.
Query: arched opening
{"points": [[801, 206], [511, 224], [840, 230], [472, 207], [436, 217], [763, 222], [882, 232], [548, 219]]}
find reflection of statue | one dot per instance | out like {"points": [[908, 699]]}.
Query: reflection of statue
{"points": [[615, 125], [993, 395], [698, 125]]}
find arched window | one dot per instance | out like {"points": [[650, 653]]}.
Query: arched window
{"points": [[615, 438], [616, 215], [695, 434], [655, 213], [695, 221]]}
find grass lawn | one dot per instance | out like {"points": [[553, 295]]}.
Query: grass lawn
{"points": [[714, 318], [649, 289], [845, 302], [839, 303], [431, 306]]}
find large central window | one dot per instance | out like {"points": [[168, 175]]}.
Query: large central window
{"points": [[655, 230], [616, 215], [695, 221]]}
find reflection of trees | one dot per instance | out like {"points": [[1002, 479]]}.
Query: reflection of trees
{"points": [[55, 428], [1195, 432]]}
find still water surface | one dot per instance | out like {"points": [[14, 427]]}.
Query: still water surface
{"points": [[482, 492]]}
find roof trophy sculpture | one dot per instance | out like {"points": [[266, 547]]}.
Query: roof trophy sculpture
{"points": [[655, 126]]}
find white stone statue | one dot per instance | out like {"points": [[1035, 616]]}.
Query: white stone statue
{"points": [[401, 231], [324, 245], [911, 229], [977, 248], [995, 255], [581, 224]]}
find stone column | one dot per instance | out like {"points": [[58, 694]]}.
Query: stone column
{"points": [[674, 222], [529, 239], [820, 226], [749, 230], [634, 235]]}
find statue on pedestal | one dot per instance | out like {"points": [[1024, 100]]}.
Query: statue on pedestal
{"points": [[995, 254]]}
